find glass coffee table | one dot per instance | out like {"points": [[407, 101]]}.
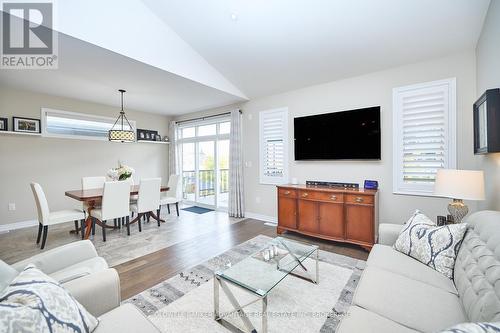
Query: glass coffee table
{"points": [[260, 273]]}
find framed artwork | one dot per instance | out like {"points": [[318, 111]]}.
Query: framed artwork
{"points": [[4, 124], [146, 135], [26, 125]]}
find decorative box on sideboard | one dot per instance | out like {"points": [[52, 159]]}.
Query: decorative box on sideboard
{"points": [[337, 214]]}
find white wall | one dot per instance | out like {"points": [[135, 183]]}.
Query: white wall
{"points": [[488, 77], [362, 91], [59, 164]]}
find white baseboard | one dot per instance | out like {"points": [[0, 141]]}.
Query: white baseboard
{"points": [[265, 218], [18, 225]]}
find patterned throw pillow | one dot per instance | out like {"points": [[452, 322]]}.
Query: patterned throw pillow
{"points": [[34, 302], [474, 328], [437, 247]]}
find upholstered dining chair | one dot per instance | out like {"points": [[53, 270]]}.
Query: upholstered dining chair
{"points": [[174, 193], [148, 201], [46, 217], [115, 204], [89, 183]]}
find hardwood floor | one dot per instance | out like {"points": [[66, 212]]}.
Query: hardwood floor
{"points": [[144, 272]]}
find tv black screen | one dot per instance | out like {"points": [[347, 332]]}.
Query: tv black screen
{"points": [[346, 135]]}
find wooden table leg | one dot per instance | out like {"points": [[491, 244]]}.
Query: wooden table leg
{"points": [[88, 221], [156, 217]]}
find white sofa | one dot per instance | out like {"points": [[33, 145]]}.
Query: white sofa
{"points": [[89, 279], [399, 294]]}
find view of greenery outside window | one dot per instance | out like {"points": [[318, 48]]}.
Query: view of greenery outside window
{"points": [[205, 162]]}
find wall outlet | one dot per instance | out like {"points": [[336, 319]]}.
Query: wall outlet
{"points": [[12, 206], [257, 200]]}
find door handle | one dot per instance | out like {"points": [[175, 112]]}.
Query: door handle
{"points": [[333, 197], [287, 192], [304, 195], [359, 199]]}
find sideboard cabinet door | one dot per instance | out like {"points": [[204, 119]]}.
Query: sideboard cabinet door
{"points": [[287, 212], [308, 216], [331, 220], [359, 223]]}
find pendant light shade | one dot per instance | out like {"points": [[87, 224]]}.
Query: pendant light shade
{"points": [[120, 133]]}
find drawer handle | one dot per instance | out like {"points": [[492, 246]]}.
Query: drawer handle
{"points": [[359, 199], [287, 192], [333, 197], [304, 195]]}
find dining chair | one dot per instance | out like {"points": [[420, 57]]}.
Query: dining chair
{"points": [[115, 204], [46, 217], [89, 183], [174, 193], [147, 202]]}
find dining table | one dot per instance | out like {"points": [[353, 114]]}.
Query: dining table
{"points": [[91, 197]]}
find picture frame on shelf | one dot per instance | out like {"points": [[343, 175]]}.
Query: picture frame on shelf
{"points": [[4, 124], [26, 125], [146, 135]]}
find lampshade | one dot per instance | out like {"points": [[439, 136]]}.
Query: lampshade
{"points": [[459, 184], [120, 132]]}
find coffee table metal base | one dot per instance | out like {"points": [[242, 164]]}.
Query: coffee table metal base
{"points": [[220, 283], [238, 308]]}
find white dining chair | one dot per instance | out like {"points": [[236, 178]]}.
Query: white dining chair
{"points": [[147, 202], [174, 193], [46, 217], [89, 183], [115, 204]]}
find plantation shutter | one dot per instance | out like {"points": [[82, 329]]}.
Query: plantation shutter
{"points": [[274, 146], [424, 128]]}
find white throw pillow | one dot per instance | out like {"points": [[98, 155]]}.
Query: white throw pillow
{"points": [[34, 302], [437, 247], [474, 328]]}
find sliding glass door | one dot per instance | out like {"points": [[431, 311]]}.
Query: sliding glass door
{"points": [[204, 154]]}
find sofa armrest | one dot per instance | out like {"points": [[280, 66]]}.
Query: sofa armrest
{"points": [[388, 233], [98, 292], [61, 257]]}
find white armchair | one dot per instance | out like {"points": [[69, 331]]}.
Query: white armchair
{"points": [[98, 290]]}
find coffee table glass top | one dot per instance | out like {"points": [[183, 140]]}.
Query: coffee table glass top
{"points": [[259, 273]]}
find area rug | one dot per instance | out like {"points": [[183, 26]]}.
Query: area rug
{"points": [[119, 247], [184, 303], [197, 209]]}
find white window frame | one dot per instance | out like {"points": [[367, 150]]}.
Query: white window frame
{"points": [[399, 187], [267, 180], [45, 133], [217, 120]]}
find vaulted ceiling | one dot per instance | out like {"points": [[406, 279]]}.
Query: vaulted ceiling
{"points": [[180, 56]]}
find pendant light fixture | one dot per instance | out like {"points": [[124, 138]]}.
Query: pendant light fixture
{"points": [[118, 133]]}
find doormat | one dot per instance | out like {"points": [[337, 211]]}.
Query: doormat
{"points": [[197, 209]]}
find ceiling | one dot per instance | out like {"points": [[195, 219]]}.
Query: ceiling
{"points": [[88, 72], [269, 46], [261, 47]]}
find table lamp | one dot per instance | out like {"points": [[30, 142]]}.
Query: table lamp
{"points": [[459, 185]]}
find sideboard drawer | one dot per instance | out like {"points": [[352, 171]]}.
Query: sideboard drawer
{"points": [[359, 199], [286, 192], [323, 196]]}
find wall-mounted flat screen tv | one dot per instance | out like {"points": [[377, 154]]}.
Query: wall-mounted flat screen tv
{"points": [[345, 135]]}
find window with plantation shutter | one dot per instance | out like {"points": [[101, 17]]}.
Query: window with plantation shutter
{"points": [[273, 134], [424, 131]]}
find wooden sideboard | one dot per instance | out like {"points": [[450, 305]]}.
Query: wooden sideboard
{"points": [[337, 214]]}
